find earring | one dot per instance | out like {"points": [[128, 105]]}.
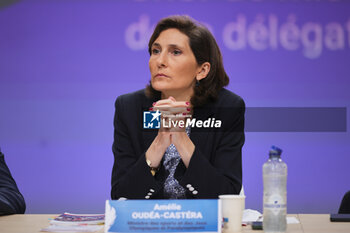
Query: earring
{"points": [[197, 83]]}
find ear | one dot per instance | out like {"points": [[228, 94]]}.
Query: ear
{"points": [[203, 71]]}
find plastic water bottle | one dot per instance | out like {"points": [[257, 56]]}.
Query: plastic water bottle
{"points": [[275, 193]]}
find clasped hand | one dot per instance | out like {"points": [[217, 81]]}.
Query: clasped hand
{"points": [[173, 112]]}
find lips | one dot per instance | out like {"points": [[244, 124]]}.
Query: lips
{"points": [[161, 75]]}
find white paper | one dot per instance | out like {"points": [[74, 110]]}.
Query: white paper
{"points": [[66, 229], [253, 215], [292, 220], [250, 216]]}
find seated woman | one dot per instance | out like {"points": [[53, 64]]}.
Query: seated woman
{"points": [[187, 78]]}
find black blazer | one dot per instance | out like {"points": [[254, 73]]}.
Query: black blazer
{"points": [[11, 200], [216, 164]]}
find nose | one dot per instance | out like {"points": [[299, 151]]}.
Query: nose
{"points": [[162, 60]]}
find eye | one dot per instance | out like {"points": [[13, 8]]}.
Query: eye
{"points": [[177, 52], [155, 51]]}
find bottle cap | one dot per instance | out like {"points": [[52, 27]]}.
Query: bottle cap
{"points": [[275, 151]]}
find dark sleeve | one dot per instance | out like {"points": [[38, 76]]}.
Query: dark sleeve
{"points": [[222, 174], [131, 176], [11, 200], [345, 204]]}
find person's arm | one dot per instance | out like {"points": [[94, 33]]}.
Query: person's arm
{"points": [[11, 200], [131, 176], [223, 173]]}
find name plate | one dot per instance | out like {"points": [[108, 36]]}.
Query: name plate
{"points": [[163, 216]]}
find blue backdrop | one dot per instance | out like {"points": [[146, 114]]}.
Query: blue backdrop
{"points": [[63, 63]]}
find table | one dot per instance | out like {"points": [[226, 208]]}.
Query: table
{"points": [[309, 223]]}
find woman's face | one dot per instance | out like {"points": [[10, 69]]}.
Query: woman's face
{"points": [[172, 64]]}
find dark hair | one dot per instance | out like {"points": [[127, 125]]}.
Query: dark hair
{"points": [[204, 48]]}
